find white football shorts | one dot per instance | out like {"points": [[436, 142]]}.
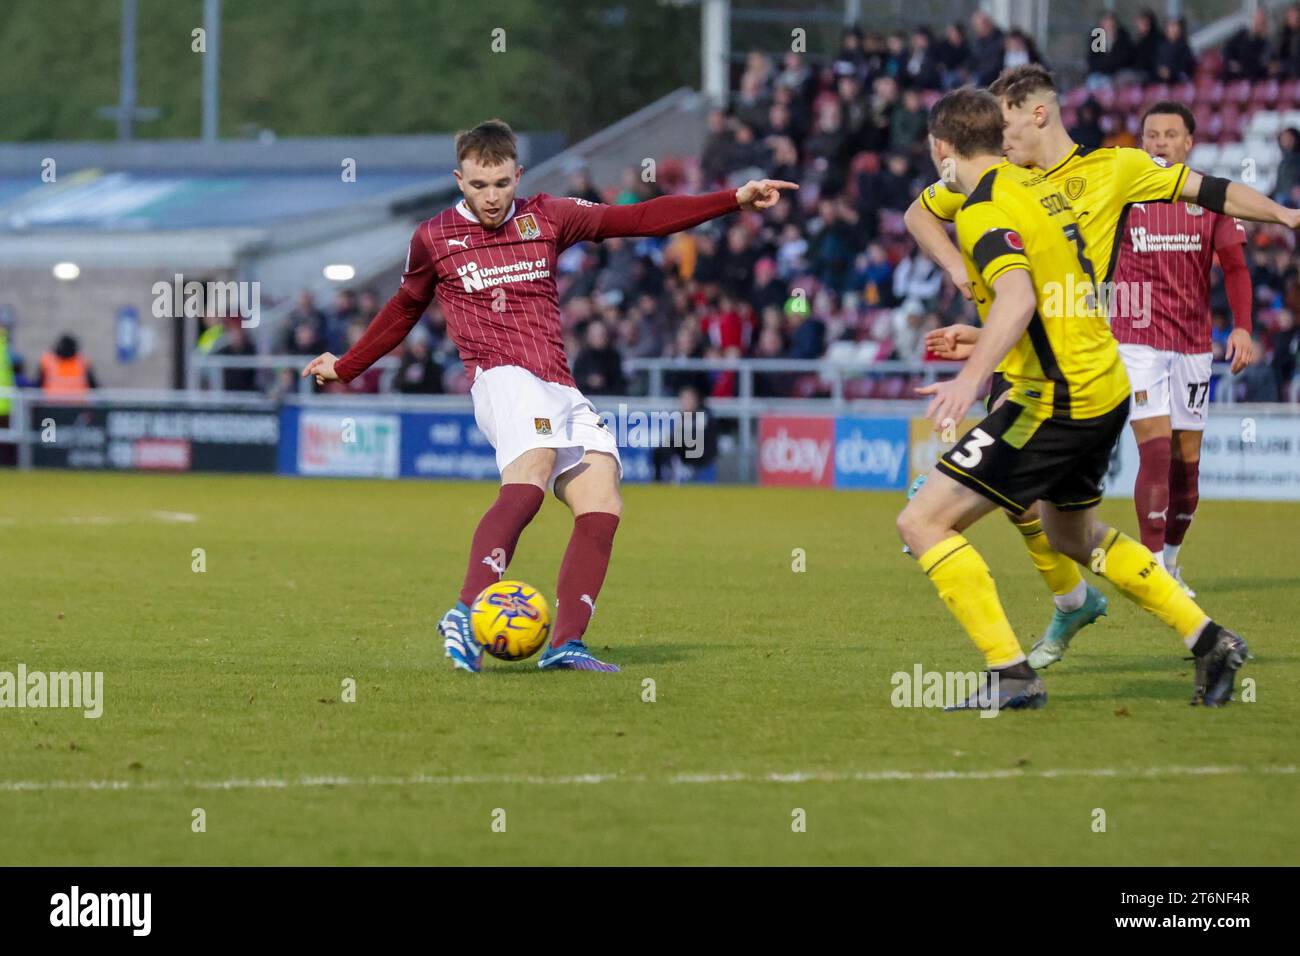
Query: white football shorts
{"points": [[1167, 383], [518, 411]]}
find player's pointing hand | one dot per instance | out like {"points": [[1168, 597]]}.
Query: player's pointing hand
{"points": [[322, 366], [760, 194]]}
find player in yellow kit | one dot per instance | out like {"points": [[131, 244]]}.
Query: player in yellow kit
{"points": [[1065, 405], [1100, 184]]}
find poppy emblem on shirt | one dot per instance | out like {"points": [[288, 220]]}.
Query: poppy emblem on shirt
{"points": [[1015, 242], [1140, 398], [527, 226], [543, 425]]}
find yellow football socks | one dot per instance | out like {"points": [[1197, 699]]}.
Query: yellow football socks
{"points": [[1061, 573], [966, 586], [1133, 569]]}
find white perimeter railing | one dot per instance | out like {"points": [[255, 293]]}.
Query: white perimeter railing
{"points": [[745, 408]]}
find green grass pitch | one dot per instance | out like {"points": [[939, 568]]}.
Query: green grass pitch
{"points": [[223, 689]]}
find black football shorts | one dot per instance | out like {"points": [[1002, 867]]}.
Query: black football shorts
{"points": [[1014, 457]]}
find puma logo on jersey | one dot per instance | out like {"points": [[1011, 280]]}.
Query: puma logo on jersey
{"points": [[463, 243]]}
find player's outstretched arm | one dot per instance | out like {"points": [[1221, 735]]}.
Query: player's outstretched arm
{"points": [[1013, 308], [929, 232], [1236, 199], [665, 215]]}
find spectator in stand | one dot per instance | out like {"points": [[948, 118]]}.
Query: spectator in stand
{"points": [[880, 121], [344, 312], [580, 185], [1019, 49], [896, 55], [1146, 45], [1175, 62], [797, 78], [908, 126], [893, 184], [738, 258], [768, 289], [752, 101], [952, 54], [875, 277], [828, 148], [305, 311], [1286, 345], [598, 369], [1288, 169], [834, 239], [1110, 51], [1246, 55], [918, 277], [771, 345], [719, 149], [807, 330], [851, 60], [1087, 131], [237, 342], [920, 69], [908, 328], [305, 339], [672, 462], [855, 113], [419, 373], [986, 49], [1287, 49], [1259, 381], [1220, 330], [784, 159]]}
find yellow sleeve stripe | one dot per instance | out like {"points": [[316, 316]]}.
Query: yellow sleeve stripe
{"points": [[1180, 182], [926, 203], [1020, 263]]}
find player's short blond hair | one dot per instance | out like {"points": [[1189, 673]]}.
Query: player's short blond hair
{"points": [[1019, 83], [490, 143]]}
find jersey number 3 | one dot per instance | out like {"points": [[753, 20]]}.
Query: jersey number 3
{"points": [[971, 450]]}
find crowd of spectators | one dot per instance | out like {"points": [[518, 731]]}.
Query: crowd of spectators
{"points": [[831, 272]]}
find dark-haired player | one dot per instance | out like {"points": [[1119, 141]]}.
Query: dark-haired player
{"points": [[1169, 248], [490, 263]]}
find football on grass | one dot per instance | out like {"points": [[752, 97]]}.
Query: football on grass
{"points": [[511, 620]]}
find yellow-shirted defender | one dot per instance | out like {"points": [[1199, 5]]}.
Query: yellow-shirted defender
{"points": [[1100, 184], [1051, 437]]}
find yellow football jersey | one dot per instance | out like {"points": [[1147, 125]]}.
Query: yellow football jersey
{"points": [[1100, 184], [1067, 364]]}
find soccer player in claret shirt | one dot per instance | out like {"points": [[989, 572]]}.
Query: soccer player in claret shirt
{"points": [[1164, 337], [490, 263]]}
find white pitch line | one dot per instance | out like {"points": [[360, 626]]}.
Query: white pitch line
{"points": [[816, 776]]}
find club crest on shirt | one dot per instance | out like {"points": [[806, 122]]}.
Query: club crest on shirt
{"points": [[527, 226], [1074, 187], [543, 425], [1140, 398]]}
